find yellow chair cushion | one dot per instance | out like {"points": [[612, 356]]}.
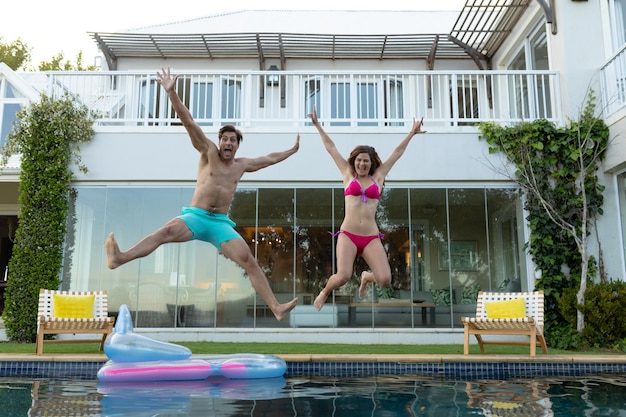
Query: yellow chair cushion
{"points": [[73, 306], [509, 309]]}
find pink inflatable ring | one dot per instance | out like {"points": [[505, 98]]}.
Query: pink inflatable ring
{"points": [[134, 357], [237, 366]]}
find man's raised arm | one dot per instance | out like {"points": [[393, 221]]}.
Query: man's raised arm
{"points": [[197, 136], [254, 164]]}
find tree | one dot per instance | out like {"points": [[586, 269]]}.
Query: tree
{"points": [[46, 135], [15, 54], [557, 170], [57, 63]]}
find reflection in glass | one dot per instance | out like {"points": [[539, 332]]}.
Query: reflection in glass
{"points": [[443, 245], [8, 117], [506, 241], [314, 244], [269, 232]]}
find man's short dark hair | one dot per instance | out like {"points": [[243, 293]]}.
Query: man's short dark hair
{"points": [[230, 128]]}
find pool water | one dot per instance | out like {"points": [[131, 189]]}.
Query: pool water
{"points": [[382, 396]]}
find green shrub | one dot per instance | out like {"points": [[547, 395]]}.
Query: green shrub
{"points": [[46, 136], [605, 304]]}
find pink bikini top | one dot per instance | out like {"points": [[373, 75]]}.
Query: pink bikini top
{"points": [[355, 189]]}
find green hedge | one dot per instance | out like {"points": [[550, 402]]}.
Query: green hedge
{"points": [[46, 136]]}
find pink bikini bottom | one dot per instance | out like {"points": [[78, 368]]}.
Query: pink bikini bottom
{"points": [[359, 241]]}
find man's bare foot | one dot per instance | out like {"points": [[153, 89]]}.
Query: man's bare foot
{"points": [[283, 309], [364, 282], [320, 300], [113, 252]]}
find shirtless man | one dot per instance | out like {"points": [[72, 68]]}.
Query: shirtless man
{"points": [[206, 219]]}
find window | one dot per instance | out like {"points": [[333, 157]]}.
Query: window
{"points": [[231, 99], [367, 101], [8, 115], [617, 16], [529, 95], [394, 101], [366, 97], [150, 103], [313, 95], [11, 101], [340, 103], [465, 99], [10, 91], [202, 102], [539, 61]]}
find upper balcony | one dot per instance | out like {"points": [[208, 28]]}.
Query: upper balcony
{"points": [[449, 100], [613, 77]]}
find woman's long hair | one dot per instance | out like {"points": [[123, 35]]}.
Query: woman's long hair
{"points": [[376, 162]]}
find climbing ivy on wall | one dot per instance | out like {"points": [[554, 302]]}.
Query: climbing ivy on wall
{"points": [[46, 136], [557, 170]]}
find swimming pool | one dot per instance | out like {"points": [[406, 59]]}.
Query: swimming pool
{"points": [[331, 386], [380, 395]]}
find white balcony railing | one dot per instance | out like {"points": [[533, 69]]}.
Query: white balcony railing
{"points": [[271, 98], [613, 76]]}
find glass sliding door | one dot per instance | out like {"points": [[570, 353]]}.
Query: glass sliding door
{"points": [[340, 103], [201, 103], [465, 257], [265, 219], [394, 101], [443, 245], [314, 244], [150, 105], [533, 55], [231, 99], [367, 103], [313, 97], [393, 220], [429, 231], [506, 242]]}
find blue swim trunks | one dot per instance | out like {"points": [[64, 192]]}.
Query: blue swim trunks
{"points": [[214, 228]]}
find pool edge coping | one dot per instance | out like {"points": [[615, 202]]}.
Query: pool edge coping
{"points": [[402, 358]]}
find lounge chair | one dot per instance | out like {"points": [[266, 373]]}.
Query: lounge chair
{"points": [[504, 314], [72, 312]]}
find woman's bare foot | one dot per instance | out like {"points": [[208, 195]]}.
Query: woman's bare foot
{"points": [[113, 252], [283, 309], [320, 300], [364, 282]]}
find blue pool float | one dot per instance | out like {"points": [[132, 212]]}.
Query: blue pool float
{"points": [[134, 357]]}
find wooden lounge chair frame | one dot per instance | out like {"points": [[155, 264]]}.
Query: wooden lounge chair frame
{"points": [[531, 325], [100, 323]]}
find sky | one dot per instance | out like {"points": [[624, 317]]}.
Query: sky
{"points": [[50, 27]]}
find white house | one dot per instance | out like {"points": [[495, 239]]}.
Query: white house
{"points": [[453, 222]]}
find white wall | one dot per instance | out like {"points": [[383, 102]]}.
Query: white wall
{"points": [[578, 52], [169, 156]]}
